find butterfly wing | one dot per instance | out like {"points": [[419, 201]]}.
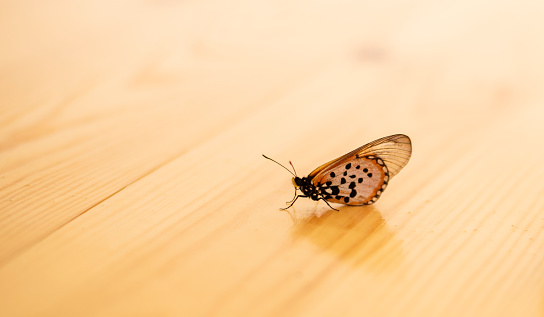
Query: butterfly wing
{"points": [[395, 150], [360, 176], [359, 182]]}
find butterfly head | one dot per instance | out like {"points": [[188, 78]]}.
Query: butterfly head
{"points": [[297, 182]]}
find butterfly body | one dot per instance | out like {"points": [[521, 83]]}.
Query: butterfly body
{"points": [[358, 177]]}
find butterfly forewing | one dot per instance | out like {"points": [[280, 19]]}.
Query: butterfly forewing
{"points": [[395, 150]]}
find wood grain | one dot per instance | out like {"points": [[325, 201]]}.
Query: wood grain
{"points": [[132, 182]]}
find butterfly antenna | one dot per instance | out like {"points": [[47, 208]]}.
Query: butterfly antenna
{"points": [[293, 166], [266, 157]]}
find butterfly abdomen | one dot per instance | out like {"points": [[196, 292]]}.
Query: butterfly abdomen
{"points": [[308, 188]]}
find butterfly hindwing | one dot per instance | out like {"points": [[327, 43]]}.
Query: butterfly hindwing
{"points": [[359, 182]]}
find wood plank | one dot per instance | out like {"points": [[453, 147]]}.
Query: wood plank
{"points": [[133, 184]]}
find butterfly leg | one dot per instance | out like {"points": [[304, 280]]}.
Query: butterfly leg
{"points": [[293, 202], [328, 204], [294, 197]]}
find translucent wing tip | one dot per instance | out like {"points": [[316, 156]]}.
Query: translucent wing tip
{"points": [[395, 150]]}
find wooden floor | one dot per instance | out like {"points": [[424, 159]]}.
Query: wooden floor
{"points": [[132, 181]]}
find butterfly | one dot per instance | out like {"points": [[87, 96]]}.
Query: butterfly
{"points": [[356, 178]]}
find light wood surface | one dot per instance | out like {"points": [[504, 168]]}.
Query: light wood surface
{"points": [[132, 181]]}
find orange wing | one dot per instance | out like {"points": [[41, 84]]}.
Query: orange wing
{"points": [[395, 150]]}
